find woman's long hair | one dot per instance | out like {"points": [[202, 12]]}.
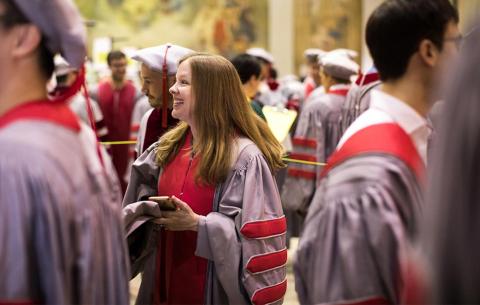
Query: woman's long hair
{"points": [[452, 229], [221, 112]]}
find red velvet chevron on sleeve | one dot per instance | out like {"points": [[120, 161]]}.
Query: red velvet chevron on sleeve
{"points": [[270, 294], [266, 262], [304, 142], [264, 228]]}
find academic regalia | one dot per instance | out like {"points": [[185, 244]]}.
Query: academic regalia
{"points": [[78, 104], [243, 238], [151, 129], [262, 54], [163, 59], [358, 98], [316, 137], [61, 230], [141, 107], [310, 85], [314, 95], [360, 220], [60, 222], [366, 210], [117, 107]]}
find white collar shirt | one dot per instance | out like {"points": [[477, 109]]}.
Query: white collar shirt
{"points": [[385, 108]]}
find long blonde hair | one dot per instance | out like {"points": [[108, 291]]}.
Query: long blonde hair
{"points": [[221, 111]]}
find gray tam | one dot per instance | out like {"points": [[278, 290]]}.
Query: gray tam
{"points": [[339, 65], [62, 26]]}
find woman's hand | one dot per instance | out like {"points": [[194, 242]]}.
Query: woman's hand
{"points": [[183, 219]]}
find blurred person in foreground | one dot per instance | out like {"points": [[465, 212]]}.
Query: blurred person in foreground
{"points": [[448, 239], [60, 220]]}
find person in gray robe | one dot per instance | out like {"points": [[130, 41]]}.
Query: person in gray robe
{"points": [[358, 98], [60, 215], [366, 211], [242, 234], [317, 131]]}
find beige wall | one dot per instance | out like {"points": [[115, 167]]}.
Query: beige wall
{"points": [[281, 27], [285, 33], [368, 6], [469, 11]]}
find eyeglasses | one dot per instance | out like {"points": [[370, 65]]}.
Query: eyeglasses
{"points": [[458, 40]]}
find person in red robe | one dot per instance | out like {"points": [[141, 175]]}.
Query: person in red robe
{"points": [[117, 97]]}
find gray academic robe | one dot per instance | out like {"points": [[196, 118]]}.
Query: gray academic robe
{"points": [[357, 101], [243, 237], [61, 229], [361, 219], [316, 137]]}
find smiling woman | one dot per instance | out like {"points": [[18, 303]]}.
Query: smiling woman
{"points": [[182, 95], [217, 165]]}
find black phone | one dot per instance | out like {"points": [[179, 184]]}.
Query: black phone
{"points": [[166, 203]]}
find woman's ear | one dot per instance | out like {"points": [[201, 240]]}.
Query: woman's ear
{"points": [[27, 39]]}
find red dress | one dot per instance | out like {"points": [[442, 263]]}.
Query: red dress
{"points": [[180, 275]]}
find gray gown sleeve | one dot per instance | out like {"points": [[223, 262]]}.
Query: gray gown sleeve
{"points": [[245, 239], [143, 177], [299, 185], [354, 236], [142, 235]]}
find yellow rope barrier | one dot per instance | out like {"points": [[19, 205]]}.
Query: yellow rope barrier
{"points": [[284, 159], [118, 142], [304, 162]]}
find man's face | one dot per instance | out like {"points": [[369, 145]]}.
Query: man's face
{"points": [[451, 47], [315, 72], [445, 61], [119, 69], [152, 86], [324, 79]]}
